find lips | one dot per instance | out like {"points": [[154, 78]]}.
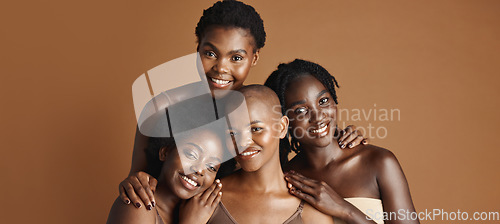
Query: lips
{"points": [[249, 153], [188, 182], [321, 130], [218, 82]]}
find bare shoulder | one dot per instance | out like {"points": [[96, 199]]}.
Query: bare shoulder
{"points": [[377, 158], [122, 213], [313, 216]]}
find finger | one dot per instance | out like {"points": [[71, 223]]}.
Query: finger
{"points": [[300, 185], [301, 195], [214, 194], [152, 183], [354, 139], [209, 191], [302, 178], [123, 195], [141, 192], [129, 189], [365, 141], [217, 199], [345, 133], [144, 180]]}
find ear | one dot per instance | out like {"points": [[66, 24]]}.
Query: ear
{"points": [[255, 57], [284, 126], [162, 154]]}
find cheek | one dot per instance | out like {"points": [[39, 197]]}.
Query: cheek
{"points": [[241, 72]]}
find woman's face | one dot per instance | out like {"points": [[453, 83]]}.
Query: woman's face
{"points": [[227, 55], [259, 139], [311, 110], [191, 169]]}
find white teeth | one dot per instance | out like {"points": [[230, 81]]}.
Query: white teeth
{"points": [[219, 81], [187, 179], [319, 130], [249, 153]]}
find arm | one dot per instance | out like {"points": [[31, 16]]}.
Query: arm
{"points": [[324, 198], [123, 214], [138, 186], [139, 161], [394, 189]]}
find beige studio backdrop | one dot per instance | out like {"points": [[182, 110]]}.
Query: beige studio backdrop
{"points": [[67, 69]]}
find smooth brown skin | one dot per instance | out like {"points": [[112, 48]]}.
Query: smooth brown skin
{"points": [[327, 173], [226, 53], [199, 156], [260, 179]]}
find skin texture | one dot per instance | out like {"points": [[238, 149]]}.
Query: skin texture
{"points": [[327, 173], [197, 157], [227, 54], [261, 180]]}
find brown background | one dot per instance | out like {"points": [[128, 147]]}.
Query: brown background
{"points": [[67, 69]]}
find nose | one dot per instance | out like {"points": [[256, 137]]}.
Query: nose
{"points": [[317, 114], [198, 169], [221, 67], [245, 140]]}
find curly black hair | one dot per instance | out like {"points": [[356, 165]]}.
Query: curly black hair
{"points": [[280, 79], [231, 13]]}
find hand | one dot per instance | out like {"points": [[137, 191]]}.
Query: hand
{"points": [[351, 137], [200, 208], [138, 188], [316, 193]]}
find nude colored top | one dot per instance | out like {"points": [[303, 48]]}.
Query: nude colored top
{"points": [[370, 206], [221, 216]]}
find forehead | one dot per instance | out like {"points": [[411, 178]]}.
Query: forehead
{"points": [[303, 86], [209, 142], [228, 38], [260, 109]]}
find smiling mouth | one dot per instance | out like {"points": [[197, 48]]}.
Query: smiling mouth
{"points": [[320, 130], [220, 81], [189, 183], [249, 153]]}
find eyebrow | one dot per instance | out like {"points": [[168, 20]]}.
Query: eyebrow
{"points": [[242, 51], [196, 146], [321, 93], [297, 103], [255, 122], [201, 151]]}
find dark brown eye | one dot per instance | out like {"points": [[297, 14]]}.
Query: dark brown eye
{"points": [[300, 110], [323, 101]]}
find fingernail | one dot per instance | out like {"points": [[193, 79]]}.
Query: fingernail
{"points": [[127, 202], [292, 190], [287, 178], [217, 181], [153, 203], [220, 192], [350, 145], [219, 185], [149, 207], [289, 185], [364, 141], [342, 146], [138, 204]]}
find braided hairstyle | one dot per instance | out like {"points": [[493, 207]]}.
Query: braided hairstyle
{"points": [[231, 13], [279, 81]]}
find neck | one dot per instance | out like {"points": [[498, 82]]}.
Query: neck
{"points": [[320, 157], [269, 178], [166, 200]]}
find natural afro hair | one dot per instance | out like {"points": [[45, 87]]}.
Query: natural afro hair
{"points": [[281, 78], [231, 13]]}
